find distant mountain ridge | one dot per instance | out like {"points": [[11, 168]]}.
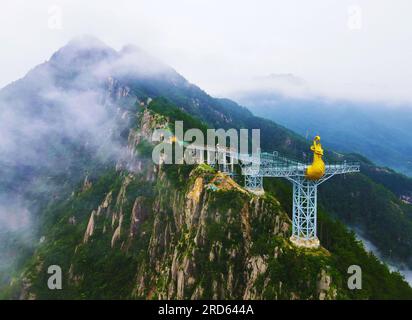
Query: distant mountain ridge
{"points": [[378, 131]]}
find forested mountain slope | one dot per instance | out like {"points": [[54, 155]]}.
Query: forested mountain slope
{"points": [[72, 118]]}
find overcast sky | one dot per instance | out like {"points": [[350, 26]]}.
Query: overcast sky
{"points": [[351, 49]]}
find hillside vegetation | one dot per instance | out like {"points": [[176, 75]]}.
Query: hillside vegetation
{"points": [[164, 232]]}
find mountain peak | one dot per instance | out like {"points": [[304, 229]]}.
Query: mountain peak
{"points": [[81, 51], [87, 41], [130, 49]]}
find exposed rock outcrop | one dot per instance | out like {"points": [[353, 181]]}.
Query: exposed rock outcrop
{"points": [[90, 228]]}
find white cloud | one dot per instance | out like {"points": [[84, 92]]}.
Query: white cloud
{"points": [[224, 45]]}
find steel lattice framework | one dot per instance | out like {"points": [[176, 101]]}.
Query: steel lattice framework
{"points": [[262, 164], [304, 220], [304, 209]]}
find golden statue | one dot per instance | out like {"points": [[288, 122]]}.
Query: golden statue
{"points": [[317, 169]]}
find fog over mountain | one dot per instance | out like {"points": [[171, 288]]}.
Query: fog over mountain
{"points": [[342, 48], [370, 247], [60, 121]]}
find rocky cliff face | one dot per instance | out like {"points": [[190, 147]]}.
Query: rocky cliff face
{"points": [[174, 232], [193, 241], [144, 231]]}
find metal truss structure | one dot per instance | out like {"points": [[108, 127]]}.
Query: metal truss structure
{"points": [[262, 164], [304, 220], [254, 183]]}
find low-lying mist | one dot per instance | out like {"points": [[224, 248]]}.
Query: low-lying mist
{"points": [[57, 124], [370, 247]]}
